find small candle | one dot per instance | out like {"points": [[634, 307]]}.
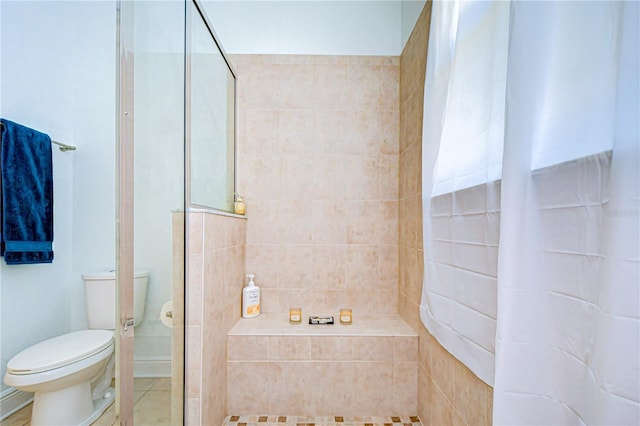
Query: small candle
{"points": [[345, 316], [295, 315], [239, 206]]}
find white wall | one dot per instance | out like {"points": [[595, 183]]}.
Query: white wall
{"points": [[58, 76], [313, 27], [410, 13]]}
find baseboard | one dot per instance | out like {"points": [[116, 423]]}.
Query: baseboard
{"points": [[151, 368], [12, 400]]}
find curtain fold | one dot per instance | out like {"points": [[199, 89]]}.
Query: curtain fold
{"points": [[568, 299], [538, 261], [462, 152]]}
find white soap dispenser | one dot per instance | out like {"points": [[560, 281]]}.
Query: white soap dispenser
{"points": [[250, 299]]}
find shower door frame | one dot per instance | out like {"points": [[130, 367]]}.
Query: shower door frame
{"points": [[124, 336], [124, 213]]}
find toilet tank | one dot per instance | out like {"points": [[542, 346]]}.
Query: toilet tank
{"points": [[100, 294]]}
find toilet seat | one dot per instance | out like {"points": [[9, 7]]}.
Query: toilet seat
{"points": [[60, 351]]}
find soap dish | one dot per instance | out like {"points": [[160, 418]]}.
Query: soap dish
{"points": [[315, 320]]}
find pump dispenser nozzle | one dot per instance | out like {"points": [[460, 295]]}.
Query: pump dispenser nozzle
{"points": [[250, 277]]}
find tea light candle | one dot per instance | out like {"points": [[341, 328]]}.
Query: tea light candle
{"points": [[239, 206], [295, 315], [345, 316]]}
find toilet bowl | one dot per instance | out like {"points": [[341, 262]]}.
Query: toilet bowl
{"points": [[70, 375], [60, 371]]}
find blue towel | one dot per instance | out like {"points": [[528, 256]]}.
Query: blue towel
{"points": [[27, 195]]}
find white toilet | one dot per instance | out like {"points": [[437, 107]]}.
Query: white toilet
{"points": [[70, 374]]}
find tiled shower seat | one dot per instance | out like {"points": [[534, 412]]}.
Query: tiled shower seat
{"points": [[368, 368]]}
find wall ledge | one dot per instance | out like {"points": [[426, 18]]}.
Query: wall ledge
{"points": [[363, 325], [216, 212]]}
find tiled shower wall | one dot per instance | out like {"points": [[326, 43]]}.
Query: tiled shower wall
{"points": [[215, 278], [318, 166], [448, 393]]}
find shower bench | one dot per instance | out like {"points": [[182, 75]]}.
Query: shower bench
{"points": [[368, 368]]}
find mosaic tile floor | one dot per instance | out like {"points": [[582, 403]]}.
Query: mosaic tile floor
{"points": [[277, 420]]}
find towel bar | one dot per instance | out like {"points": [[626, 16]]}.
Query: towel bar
{"points": [[63, 146]]}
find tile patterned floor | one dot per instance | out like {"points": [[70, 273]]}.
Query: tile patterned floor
{"points": [[152, 406], [279, 420]]}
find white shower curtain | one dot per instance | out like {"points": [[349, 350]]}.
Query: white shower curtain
{"points": [[567, 339], [567, 348]]}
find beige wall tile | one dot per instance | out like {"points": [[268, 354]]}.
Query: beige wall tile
{"points": [[294, 222], [388, 266], [330, 85], [261, 127], [296, 177], [362, 301], [215, 282], [297, 266], [262, 217], [297, 87], [470, 396], [424, 396], [289, 348], [329, 219], [253, 93], [363, 222], [371, 388], [332, 128], [387, 301], [235, 231], [263, 262], [245, 379], [340, 378], [362, 133], [247, 348], [489, 407], [372, 348], [331, 348], [405, 386], [298, 298], [214, 233], [328, 302], [269, 300], [329, 178], [442, 412], [388, 177], [405, 348], [261, 175], [194, 289], [195, 233], [295, 131], [289, 387], [442, 370], [361, 270], [388, 222], [194, 361], [361, 177], [193, 412], [329, 263]]}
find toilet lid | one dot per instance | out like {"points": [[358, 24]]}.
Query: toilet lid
{"points": [[60, 351]]}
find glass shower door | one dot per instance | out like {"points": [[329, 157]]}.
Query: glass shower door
{"points": [[151, 211]]}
